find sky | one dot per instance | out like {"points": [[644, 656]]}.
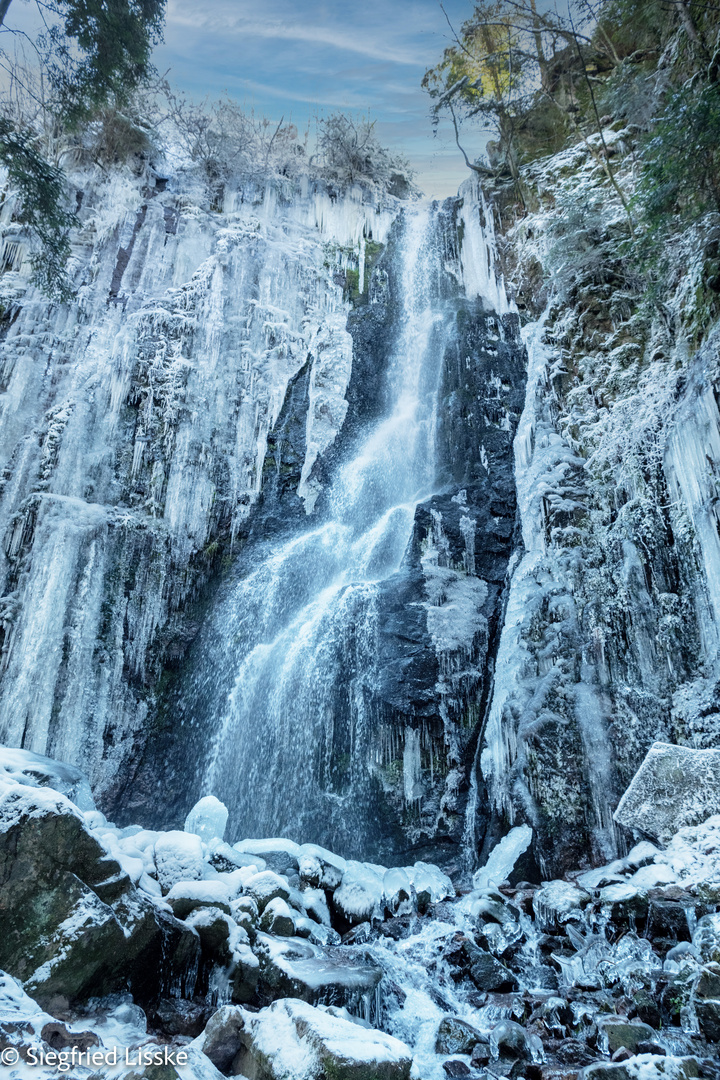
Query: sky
{"points": [[298, 59]]}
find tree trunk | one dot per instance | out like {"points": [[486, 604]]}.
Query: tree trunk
{"points": [[4, 5], [689, 24]]}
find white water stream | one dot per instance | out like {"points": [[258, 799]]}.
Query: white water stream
{"points": [[303, 621]]}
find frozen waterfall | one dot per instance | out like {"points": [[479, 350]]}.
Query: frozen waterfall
{"points": [[300, 627]]}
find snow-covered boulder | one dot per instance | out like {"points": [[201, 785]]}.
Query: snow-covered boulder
{"points": [[360, 897], [319, 867], [73, 923], [294, 1039], [186, 896], [279, 855], [178, 857], [265, 887], [34, 770], [295, 967], [674, 786], [207, 819]]}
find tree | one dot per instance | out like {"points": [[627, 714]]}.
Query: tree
{"points": [[94, 53]]}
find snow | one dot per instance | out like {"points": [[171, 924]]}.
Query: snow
{"points": [[35, 770], [207, 819], [178, 857], [202, 892], [360, 896], [295, 1037], [503, 857]]}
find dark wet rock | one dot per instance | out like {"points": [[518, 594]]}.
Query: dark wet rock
{"points": [[176, 1016], [456, 1069], [59, 1037], [60, 938], [616, 1031], [646, 1007], [707, 1011], [651, 1047], [684, 1068], [485, 970], [456, 1036], [574, 1052], [480, 1055]]}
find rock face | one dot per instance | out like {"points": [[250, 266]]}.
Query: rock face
{"points": [[674, 786], [369, 626]]}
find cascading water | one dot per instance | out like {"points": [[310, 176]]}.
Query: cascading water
{"points": [[300, 627]]}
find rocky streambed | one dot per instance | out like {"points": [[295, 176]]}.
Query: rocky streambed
{"points": [[136, 953]]}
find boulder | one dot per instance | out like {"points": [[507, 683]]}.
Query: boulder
{"points": [[557, 902], [649, 1066], [616, 1031], [279, 855], [73, 923], [265, 887], [178, 857], [360, 897], [675, 786], [456, 1036], [278, 918], [319, 867], [186, 896], [292, 1038], [294, 967], [486, 971]]}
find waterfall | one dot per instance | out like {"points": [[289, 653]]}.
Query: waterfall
{"points": [[300, 627]]}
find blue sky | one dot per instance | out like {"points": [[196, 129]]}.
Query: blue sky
{"points": [[300, 59]]}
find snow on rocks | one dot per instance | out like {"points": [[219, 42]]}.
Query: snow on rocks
{"points": [[674, 786], [186, 896], [294, 1039], [207, 819], [178, 857], [360, 897], [34, 770]]}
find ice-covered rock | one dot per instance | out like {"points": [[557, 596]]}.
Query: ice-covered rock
{"points": [[320, 867], [294, 1039], [400, 895], [360, 897], [557, 902], [34, 770], [503, 857], [293, 967], [207, 819], [178, 857], [674, 786], [431, 884], [279, 855]]}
